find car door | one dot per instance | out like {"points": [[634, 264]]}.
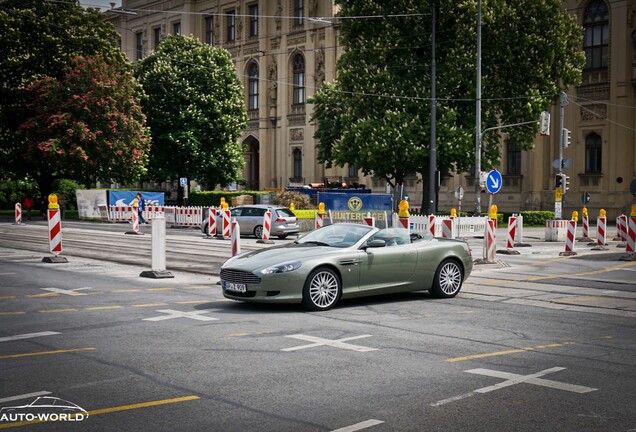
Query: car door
{"points": [[388, 269]]}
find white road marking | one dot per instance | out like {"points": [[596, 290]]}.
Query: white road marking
{"points": [[195, 315], [24, 396], [512, 379], [72, 292], [339, 343], [359, 426], [27, 336]]}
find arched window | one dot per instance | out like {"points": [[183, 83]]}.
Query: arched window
{"points": [[593, 153], [298, 69], [596, 43], [252, 87], [297, 154]]}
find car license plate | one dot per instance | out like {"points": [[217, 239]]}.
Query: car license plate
{"points": [[237, 287]]}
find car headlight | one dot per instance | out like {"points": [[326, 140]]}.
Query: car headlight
{"points": [[282, 267]]}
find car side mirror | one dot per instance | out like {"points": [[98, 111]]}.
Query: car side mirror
{"points": [[376, 243]]}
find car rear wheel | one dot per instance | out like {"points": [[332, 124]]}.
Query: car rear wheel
{"points": [[282, 236], [448, 279], [258, 231], [322, 289]]}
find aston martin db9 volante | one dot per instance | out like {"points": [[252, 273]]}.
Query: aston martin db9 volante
{"points": [[342, 261]]}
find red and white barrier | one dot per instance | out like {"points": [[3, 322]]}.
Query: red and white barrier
{"points": [[18, 213], [621, 228], [631, 235], [404, 223], [120, 213], [318, 220], [236, 238], [570, 239], [135, 222], [586, 227], [212, 222], [512, 232], [189, 216], [227, 229], [490, 241], [55, 231], [267, 225], [448, 228], [369, 221], [601, 229], [431, 225]]}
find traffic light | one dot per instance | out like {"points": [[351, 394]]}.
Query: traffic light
{"points": [[557, 181], [566, 138], [566, 183]]}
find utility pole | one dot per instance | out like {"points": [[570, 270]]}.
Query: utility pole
{"points": [[432, 178], [478, 117], [558, 192]]}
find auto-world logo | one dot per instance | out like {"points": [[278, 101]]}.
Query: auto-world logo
{"points": [[44, 409], [354, 204]]}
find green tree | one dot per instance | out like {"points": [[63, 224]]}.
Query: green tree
{"points": [[196, 112], [376, 115], [39, 38], [86, 125]]}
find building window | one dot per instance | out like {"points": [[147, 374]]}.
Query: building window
{"points": [[209, 30], [596, 43], [593, 154], [253, 12], [139, 46], [514, 159], [298, 68], [252, 87], [176, 28], [353, 171], [231, 26], [156, 37], [299, 12], [298, 163]]}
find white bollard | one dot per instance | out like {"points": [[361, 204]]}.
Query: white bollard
{"points": [[158, 266], [18, 213], [569, 241], [236, 238]]}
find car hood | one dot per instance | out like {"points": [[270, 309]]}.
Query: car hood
{"points": [[263, 258]]}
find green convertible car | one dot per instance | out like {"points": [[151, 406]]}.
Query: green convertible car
{"points": [[346, 261]]}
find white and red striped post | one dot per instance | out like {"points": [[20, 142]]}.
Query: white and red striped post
{"points": [[601, 230], [369, 220], [18, 213], [448, 228], [512, 232], [236, 238], [630, 244], [621, 228], [586, 226], [267, 228], [431, 225], [135, 221], [490, 241], [318, 220], [569, 241], [212, 222], [55, 231], [227, 229]]}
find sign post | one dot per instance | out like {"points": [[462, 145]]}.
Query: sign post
{"points": [[494, 182]]}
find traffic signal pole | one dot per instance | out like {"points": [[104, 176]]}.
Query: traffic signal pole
{"points": [[559, 191]]}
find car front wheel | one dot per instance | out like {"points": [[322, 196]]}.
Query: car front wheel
{"points": [[258, 231], [448, 279], [322, 289]]}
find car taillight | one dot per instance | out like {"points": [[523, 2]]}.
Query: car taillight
{"points": [[280, 220]]}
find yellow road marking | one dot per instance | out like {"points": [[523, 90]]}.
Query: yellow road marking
{"points": [[126, 290], [578, 299], [113, 409], [7, 297], [594, 272], [159, 289], [57, 310], [193, 302], [149, 305], [12, 313], [44, 295], [197, 287], [45, 353], [103, 307], [507, 352]]}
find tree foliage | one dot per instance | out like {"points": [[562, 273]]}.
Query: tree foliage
{"points": [[376, 115], [196, 112], [39, 38], [87, 125]]}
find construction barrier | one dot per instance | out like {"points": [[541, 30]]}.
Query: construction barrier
{"points": [[470, 226], [621, 228], [448, 228], [135, 222], [318, 221], [236, 238], [227, 229], [490, 241], [369, 220], [431, 225], [55, 231], [586, 227], [18, 213], [630, 244], [267, 225], [212, 222], [188, 216], [570, 239], [120, 213], [601, 229]]}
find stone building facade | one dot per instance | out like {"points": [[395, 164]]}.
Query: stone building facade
{"points": [[284, 50]]}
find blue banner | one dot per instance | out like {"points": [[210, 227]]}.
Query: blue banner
{"points": [[124, 198], [354, 207]]}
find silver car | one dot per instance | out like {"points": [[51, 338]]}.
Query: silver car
{"points": [[250, 219]]}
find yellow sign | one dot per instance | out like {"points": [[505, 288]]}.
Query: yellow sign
{"points": [[558, 194], [53, 201], [354, 203]]}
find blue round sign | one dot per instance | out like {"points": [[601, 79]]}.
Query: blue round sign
{"points": [[494, 181]]}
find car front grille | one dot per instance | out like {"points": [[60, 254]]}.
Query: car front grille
{"points": [[238, 276]]}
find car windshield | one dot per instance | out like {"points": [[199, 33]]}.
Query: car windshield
{"points": [[337, 235], [392, 236]]}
